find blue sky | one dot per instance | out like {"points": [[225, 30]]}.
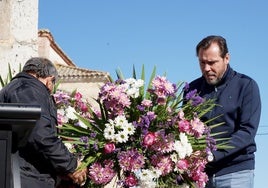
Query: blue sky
{"points": [[106, 35]]}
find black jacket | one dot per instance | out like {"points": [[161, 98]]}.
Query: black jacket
{"points": [[240, 106], [44, 154]]}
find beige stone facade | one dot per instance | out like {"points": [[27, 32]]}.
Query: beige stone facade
{"points": [[20, 40], [18, 32], [71, 77]]}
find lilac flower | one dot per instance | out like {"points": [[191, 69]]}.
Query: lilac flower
{"points": [[61, 98], [186, 87], [162, 163], [114, 98], [162, 88], [84, 139], [145, 121], [197, 126], [194, 98], [131, 160], [211, 143], [163, 143], [102, 174]]}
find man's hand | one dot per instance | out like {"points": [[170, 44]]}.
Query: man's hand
{"points": [[79, 176]]}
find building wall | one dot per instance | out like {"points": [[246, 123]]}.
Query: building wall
{"points": [[88, 90], [19, 42], [18, 33], [45, 50]]}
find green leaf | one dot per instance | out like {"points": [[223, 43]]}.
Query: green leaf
{"points": [[134, 72], [74, 129], [150, 82], [119, 74], [142, 89]]}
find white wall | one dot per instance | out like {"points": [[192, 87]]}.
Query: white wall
{"points": [[18, 33]]}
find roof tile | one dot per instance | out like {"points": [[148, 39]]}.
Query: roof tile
{"points": [[74, 74]]}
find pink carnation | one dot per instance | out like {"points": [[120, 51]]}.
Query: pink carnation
{"points": [[182, 164], [102, 174], [149, 139], [198, 127], [163, 163], [109, 148], [131, 181], [131, 160]]}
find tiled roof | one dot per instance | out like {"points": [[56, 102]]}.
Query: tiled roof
{"points": [[69, 72], [74, 74]]}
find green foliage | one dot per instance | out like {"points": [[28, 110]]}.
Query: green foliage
{"points": [[5, 81]]}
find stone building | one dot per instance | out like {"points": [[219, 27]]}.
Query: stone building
{"points": [[20, 40], [71, 77], [18, 32]]}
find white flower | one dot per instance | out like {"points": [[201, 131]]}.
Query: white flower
{"points": [[120, 121], [156, 173], [148, 177], [69, 146], [184, 185], [61, 111], [118, 130], [183, 147], [81, 124], [121, 137], [62, 116], [133, 92], [174, 157], [129, 128], [111, 123], [70, 113], [109, 132], [132, 87]]}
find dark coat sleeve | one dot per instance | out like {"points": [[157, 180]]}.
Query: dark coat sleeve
{"points": [[43, 139], [249, 117]]}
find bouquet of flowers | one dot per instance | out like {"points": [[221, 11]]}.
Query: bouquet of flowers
{"points": [[138, 136]]}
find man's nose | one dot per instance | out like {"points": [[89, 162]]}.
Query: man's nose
{"points": [[206, 67]]}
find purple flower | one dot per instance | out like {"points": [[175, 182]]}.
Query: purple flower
{"points": [[131, 181], [145, 121], [163, 163], [102, 174], [162, 89], [194, 98], [186, 87], [114, 98], [149, 139], [131, 160], [84, 139]]}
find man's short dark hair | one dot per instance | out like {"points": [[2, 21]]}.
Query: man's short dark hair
{"points": [[41, 67], [206, 42]]}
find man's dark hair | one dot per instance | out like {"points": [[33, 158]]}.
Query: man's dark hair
{"points": [[206, 42], [41, 67]]}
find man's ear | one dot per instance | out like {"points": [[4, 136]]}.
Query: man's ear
{"points": [[227, 58], [45, 81]]}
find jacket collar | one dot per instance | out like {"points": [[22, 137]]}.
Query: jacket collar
{"points": [[32, 78], [229, 73], [226, 76]]}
